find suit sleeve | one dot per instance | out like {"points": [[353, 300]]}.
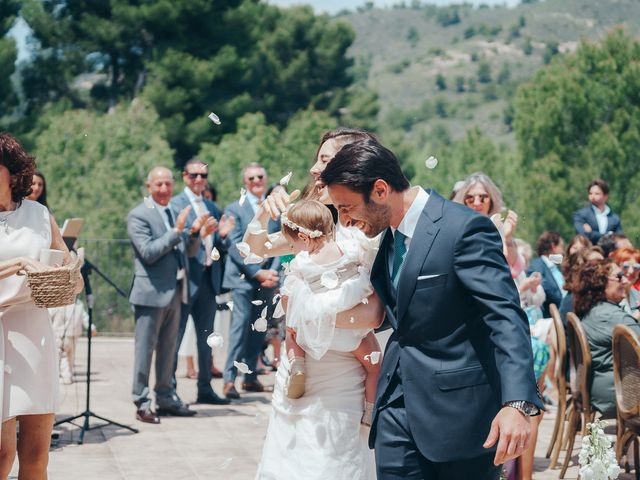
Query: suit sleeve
{"points": [[222, 244], [618, 226], [481, 267], [150, 249], [578, 222], [235, 237]]}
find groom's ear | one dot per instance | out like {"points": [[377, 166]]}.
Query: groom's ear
{"points": [[380, 191]]}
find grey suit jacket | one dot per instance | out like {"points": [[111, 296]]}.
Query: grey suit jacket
{"points": [[156, 251], [235, 266]]}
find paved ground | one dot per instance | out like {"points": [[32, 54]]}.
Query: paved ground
{"points": [[219, 443]]}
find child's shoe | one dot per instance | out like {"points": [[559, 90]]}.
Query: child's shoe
{"points": [[297, 377], [367, 416]]}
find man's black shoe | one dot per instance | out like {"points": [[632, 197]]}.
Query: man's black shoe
{"points": [[212, 399], [180, 410]]}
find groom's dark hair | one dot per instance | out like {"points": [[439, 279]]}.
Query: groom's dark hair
{"points": [[358, 165]]}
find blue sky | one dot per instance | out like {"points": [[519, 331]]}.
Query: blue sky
{"points": [[334, 6]]}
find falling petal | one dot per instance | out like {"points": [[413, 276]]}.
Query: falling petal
{"points": [[230, 305], [260, 325], [373, 358], [242, 276], [243, 248], [253, 259], [214, 118], [275, 298], [263, 313], [273, 236], [279, 311], [243, 196], [8, 369], [556, 258], [268, 245], [284, 181], [352, 320], [365, 300], [431, 163], [254, 228], [257, 302], [42, 342], [215, 340], [215, 254], [329, 280], [242, 367], [225, 464], [148, 202]]}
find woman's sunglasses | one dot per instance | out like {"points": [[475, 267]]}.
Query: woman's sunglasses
{"points": [[483, 197]]}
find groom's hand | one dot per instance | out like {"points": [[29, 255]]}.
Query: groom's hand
{"points": [[511, 429]]}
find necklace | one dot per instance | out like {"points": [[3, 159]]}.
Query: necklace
{"points": [[3, 221]]}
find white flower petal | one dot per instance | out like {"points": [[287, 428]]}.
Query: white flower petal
{"points": [[242, 367], [365, 300], [148, 202], [243, 196], [352, 320], [214, 118], [8, 369], [253, 259], [243, 248], [263, 313], [254, 228], [275, 298], [260, 325], [284, 181], [329, 280], [431, 162], [242, 276], [257, 302], [556, 258], [215, 340], [273, 236], [373, 358], [268, 245], [279, 311], [225, 463], [215, 254]]}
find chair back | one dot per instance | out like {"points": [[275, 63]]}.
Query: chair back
{"points": [[561, 346], [580, 356], [626, 371]]}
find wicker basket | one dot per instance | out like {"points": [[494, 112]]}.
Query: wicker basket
{"points": [[55, 287]]}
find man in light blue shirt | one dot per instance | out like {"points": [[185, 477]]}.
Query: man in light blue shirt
{"points": [[597, 219]]}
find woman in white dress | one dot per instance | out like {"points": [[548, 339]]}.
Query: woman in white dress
{"points": [[28, 364], [319, 435]]}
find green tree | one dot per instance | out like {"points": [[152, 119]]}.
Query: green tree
{"points": [[8, 53], [527, 48], [484, 72], [578, 119], [504, 75], [551, 49], [441, 82], [460, 83], [413, 37]]}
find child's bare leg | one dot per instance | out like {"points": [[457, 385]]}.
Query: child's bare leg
{"points": [[296, 383], [368, 346]]}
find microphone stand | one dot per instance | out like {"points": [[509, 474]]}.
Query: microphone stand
{"points": [[87, 414]]}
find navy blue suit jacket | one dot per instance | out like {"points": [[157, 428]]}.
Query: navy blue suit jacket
{"points": [[460, 343], [197, 263], [551, 290], [586, 215]]}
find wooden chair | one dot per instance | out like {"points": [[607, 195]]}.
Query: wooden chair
{"points": [[555, 445], [580, 373], [626, 376]]}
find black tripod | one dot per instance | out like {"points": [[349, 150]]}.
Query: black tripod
{"points": [[87, 412]]}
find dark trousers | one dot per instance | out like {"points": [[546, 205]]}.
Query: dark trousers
{"points": [[203, 310], [156, 329], [398, 457], [245, 344]]}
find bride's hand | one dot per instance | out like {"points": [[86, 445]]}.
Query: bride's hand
{"points": [[278, 202]]}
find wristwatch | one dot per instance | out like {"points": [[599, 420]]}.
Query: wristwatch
{"points": [[527, 408]]}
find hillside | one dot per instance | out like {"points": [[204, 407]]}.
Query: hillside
{"points": [[458, 67]]}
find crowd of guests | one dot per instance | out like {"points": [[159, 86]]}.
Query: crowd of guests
{"points": [[185, 271]]}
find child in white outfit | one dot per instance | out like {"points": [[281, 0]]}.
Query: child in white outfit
{"points": [[325, 278]]}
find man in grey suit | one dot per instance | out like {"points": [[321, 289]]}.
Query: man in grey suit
{"points": [[159, 288], [248, 283]]}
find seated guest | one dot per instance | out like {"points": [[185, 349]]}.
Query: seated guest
{"points": [[628, 259], [601, 287], [610, 242], [571, 266], [577, 243], [549, 243], [596, 219]]}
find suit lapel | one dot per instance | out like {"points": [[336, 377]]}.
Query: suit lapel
{"points": [[421, 243], [380, 271]]}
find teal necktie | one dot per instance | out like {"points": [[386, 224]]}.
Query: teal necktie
{"points": [[399, 253]]}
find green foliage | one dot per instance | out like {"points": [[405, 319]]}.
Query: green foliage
{"points": [[293, 149], [441, 82], [484, 72], [413, 37], [527, 47], [550, 50], [96, 165], [578, 119], [504, 74], [447, 16], [8, 53], [459, 83]]}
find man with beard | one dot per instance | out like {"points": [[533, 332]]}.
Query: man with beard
{"points": [[457, 376]]}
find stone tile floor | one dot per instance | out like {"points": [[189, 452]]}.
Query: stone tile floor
{"points": [[221, 442]]}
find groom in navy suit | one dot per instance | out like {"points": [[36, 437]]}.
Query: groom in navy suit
{"points": [[457, 386]]}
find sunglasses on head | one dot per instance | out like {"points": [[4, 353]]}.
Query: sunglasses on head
{"points": [[193, 176], [254, 177], [617, 277], [628, 265], [483, 197]]}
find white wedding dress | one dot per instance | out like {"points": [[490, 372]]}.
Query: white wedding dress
{"points": [[319, 436]]}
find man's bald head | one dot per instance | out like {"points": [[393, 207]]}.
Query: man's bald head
{"points": [[160, 185]]}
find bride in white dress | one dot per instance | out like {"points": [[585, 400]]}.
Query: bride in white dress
{"points": [[319, 436]]}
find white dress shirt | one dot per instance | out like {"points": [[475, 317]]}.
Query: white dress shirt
{"points": [[410, 220], [601, 218]]}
